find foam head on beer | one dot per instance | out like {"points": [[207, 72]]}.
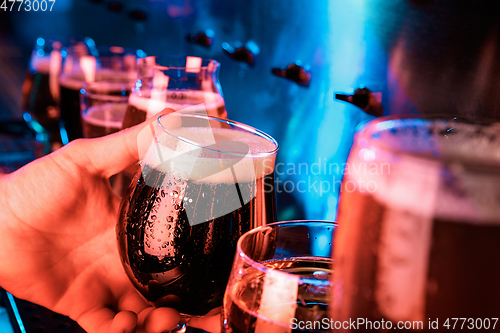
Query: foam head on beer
{"points": [[426, 151], [190, 149]]}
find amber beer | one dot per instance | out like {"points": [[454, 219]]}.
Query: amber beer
{"points": [[243, 309], [419, 225], [103, 106], [147, 103], [173, 261], [102, 120]]}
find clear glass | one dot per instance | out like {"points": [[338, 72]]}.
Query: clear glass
{"points": [[419, 221], [281, 278], [40, 91], [112, 66], [103, 106], [203, 182], [181, 83]]}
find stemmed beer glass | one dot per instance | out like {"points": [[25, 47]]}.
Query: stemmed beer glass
{"points": [[203, 182]]}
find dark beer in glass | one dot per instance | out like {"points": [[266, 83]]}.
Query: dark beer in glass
{"points": [[40, 91], [113, 65], [203, 182]]}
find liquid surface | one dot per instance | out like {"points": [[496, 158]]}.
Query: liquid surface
{"points": [[245, 311], [103, 120]]}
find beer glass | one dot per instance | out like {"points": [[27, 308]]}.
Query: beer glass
{"points": [[178, 82], [103, 105], [280, 281], [204, 181], [40, 91], [419, 226], [114, 65]]}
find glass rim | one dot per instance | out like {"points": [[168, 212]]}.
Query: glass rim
{"points": [[368, 129], [261, 267], [204, 61], [228, 122], [103, 97], [110, 51], [84, 91]]}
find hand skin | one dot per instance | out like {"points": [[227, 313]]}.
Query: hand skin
{"points": [[58, 243]]}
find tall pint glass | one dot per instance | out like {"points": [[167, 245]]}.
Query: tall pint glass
{"points": [[419, 226], [203, 182]]}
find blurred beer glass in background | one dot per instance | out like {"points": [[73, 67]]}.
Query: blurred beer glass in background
{"points": [[103, 105], [176, 82], [113, 66], [40, 91], [419, 224], [203, 182], [281, 279], [190, 84]]}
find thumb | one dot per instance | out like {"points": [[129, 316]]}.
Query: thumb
{"points": [[111, 154]]}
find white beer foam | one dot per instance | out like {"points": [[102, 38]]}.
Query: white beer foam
{"points": [[108, 115], [206, 100], [466, 184], [255, 165]]}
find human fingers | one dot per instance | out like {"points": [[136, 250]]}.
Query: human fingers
{"points": [[99, 320], [133, 301], [123, 322], [111, 154], [157, 320], [207, 323]]}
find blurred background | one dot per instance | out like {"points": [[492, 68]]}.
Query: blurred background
{"points": [[419, 56]]}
